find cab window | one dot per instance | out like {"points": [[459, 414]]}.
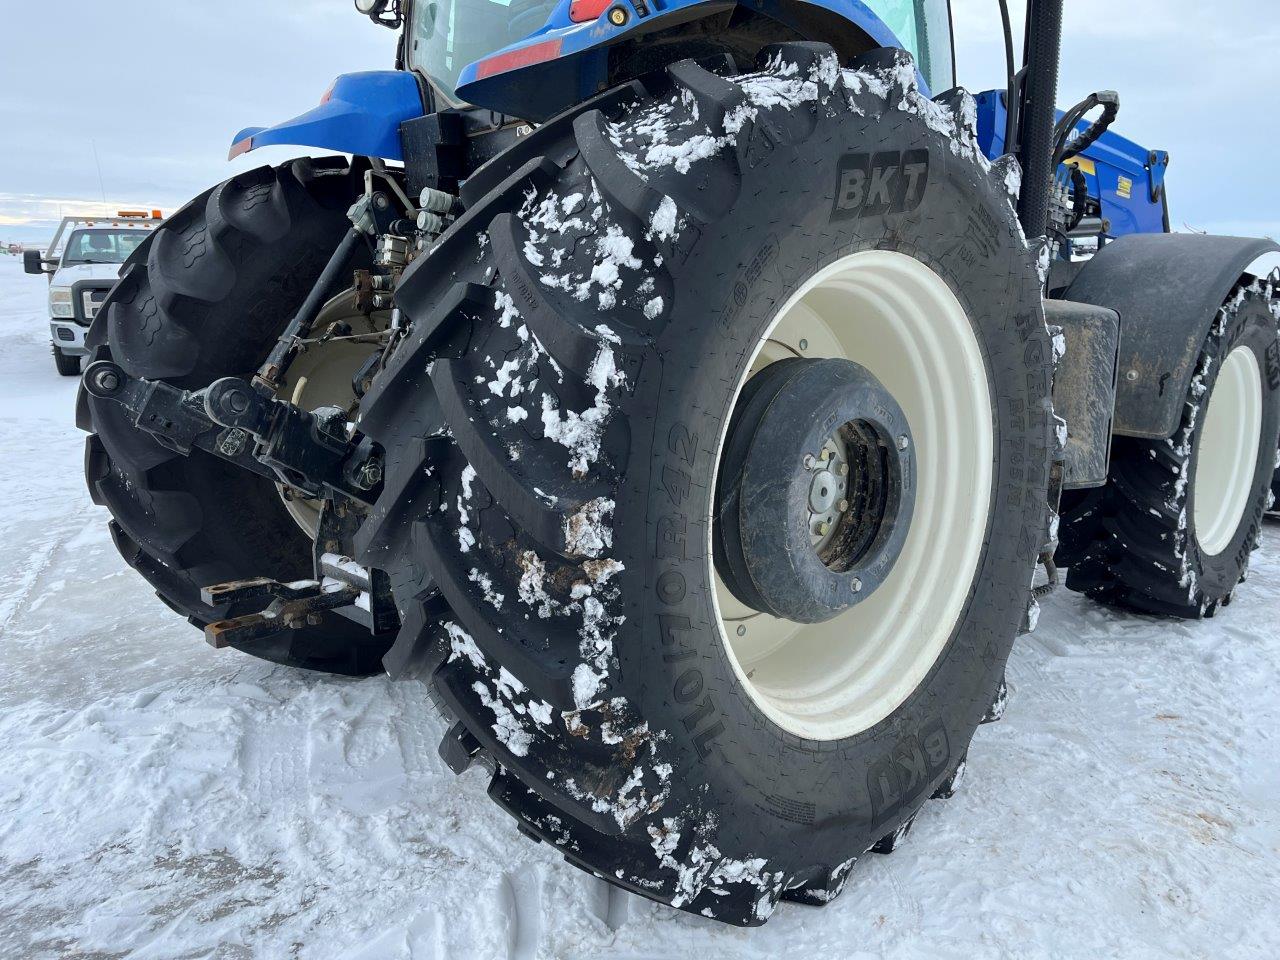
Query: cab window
{"points": [[924, 28], [101, 246]]}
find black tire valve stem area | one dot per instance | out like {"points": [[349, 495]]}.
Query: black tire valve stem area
{"points": [[843, 497]]}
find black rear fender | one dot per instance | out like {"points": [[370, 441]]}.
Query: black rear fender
{"points": [[1167, 289]]}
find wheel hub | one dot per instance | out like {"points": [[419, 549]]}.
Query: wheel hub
{"points": [[817, 490], [827, 503]]}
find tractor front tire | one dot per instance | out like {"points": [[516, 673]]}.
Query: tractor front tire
{"points": [[555, 425], [1173, 530], [206, 296], [1273, 508]]}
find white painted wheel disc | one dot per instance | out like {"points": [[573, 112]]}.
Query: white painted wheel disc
{"points": [[321, 377], [893, 315], [1227, 458]]}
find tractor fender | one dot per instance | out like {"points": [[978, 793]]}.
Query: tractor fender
{"points": [[564, 62], [360, 114], [1167, 288]]}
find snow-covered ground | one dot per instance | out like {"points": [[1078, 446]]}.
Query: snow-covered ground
{"points": [[160, 799]]}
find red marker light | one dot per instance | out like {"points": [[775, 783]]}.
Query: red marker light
{"points": [[581, 11], [524, 57]]}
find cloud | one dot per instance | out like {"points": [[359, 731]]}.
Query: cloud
{"points": [[20, 210], [158, 88]]}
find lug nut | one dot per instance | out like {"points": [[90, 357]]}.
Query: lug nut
{"points": [[823, 528], [236, 401], [856, 585], [843, 470], [903, 442], [842, 506], [804, 344], [809, 461], [742, 629]]}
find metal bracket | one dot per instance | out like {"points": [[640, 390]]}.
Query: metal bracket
{"points": [[359, 593], [176, 418], [291, 606], [318, 452]]}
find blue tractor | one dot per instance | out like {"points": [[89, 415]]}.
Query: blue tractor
{"points": [[699, 395]]}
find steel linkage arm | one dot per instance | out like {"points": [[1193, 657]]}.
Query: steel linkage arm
{"points": [[317, 452]]}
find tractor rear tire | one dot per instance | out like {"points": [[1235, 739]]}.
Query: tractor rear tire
{"points": [[205, 297], [553, 423], [1173, 530], [1274, 509]]}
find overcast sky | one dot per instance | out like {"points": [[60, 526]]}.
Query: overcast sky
{"points": [[158, 88]]}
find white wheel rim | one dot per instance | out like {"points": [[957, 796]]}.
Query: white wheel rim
{"points": [[892, 314], [321, 377], [1227, 458]]}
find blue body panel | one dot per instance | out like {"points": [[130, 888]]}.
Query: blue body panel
{"points": [[578, 69], [361, 114], [1127, 179]]}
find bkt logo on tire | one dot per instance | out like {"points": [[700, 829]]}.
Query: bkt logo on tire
{"points": [[874, 184]]}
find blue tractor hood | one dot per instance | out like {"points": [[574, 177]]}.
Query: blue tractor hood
{"points": [[361, 114]]}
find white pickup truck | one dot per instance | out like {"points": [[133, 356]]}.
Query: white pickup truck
{"points": [[83, 264]]}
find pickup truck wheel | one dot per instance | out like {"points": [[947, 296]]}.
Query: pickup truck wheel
{"points": [[206, 296], [67, 366], [717, 469]]}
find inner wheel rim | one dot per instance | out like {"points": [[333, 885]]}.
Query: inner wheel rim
{"points": [[893, 315], [1227, 457], [321, 376]]}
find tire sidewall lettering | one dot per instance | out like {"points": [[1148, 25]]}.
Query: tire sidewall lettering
{"points": [[699, 689]]}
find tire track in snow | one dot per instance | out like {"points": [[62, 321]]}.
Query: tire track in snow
{"points": [[32, 569]]}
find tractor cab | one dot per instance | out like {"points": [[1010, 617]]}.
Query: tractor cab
{"points": [[486, 52]]}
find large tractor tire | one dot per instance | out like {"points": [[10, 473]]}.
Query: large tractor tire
{"points": [[1173, 530], [1273, 510], [206, 297], [779, 330]]}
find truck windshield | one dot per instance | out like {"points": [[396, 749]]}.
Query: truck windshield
{"points": [[101, 246], [446, 35]]}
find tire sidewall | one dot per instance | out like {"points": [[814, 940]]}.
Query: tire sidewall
{"points": [[824, 801], [1218, 574]]}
